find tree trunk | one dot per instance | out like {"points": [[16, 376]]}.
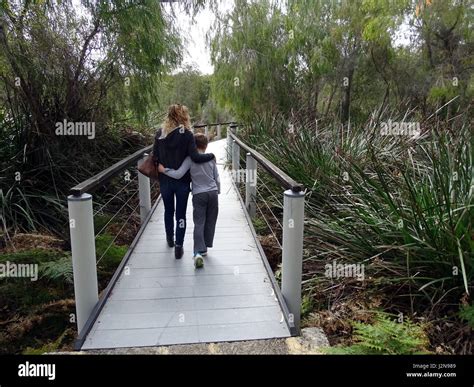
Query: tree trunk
{"points": [[346, 97], [328, 106], [313, 108]]}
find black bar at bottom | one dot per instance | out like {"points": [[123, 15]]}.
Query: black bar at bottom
{"points": [[319, 370]]}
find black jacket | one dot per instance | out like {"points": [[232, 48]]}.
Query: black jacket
{"points": [[174, 148]]}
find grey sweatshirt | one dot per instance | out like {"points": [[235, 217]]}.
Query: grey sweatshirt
{"points": [[204, 176]]}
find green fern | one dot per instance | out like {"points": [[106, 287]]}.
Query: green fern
{"points": [[385, 336], [467, 313], [60, 270]]}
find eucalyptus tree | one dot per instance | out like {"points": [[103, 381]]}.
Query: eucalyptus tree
{"points": [[444, 31], [83, 61], [302, 55], [188, 87], [313, 54], [61, 60], [252, 72]]}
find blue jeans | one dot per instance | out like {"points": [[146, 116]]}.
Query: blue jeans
{"points": [[171, 188]]}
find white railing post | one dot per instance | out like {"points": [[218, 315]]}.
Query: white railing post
{"points": [[229, 145], [235, 160], [81, 225], [144, 193], [206, 132], [292, 254], [218, 136], [251, 185]]}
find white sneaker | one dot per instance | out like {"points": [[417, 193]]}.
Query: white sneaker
{"points": [[198, 261]]}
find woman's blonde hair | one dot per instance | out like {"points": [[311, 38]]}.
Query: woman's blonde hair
{"points": [[178, 115]]}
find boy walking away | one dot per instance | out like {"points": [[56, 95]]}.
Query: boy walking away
{"points": [[205, 188]]}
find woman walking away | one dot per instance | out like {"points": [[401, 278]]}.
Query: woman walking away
{"points": [[173, 143], [206, 187]]}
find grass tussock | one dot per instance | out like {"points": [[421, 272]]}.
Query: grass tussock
{"points": [[401, 206]]}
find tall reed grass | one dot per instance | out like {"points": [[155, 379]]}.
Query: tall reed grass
{"points": [[400, 205]]}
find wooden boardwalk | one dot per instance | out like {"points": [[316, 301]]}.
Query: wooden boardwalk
{"points": [[159, 300]]}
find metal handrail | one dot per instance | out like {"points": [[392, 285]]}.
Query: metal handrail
{"points": [[217, 124], [285, 181], [91, 184], [292, 223]]}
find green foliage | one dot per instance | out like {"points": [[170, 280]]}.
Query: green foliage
{"points": [[45, 348], [278, 274], [92, 61], [52, 346], [386, 337], [138, 43], [21, 294], [441, 94], [259, 224], [108, 252], [467, 313], [251, 72], [307, 305], [30, 208], [190, 88], [58, 271], [53, 323], [319, 60], [54, 279], [34, 256], [404, 209], [100, 221]]}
